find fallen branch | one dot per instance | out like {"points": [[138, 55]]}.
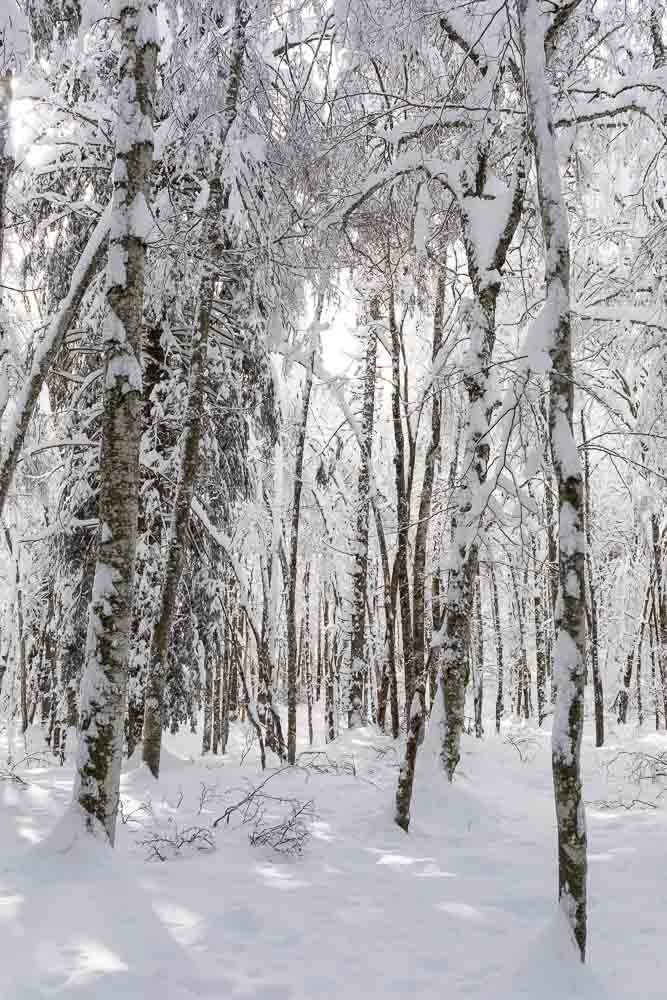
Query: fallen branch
{"points": [[159, 845]]}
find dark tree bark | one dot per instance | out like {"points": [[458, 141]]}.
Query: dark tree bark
{"points": [[329, 692], [431, 460], [523, 672], [417, 718], [634, 656], [401, 580], [478, 659], [358, 665], [389, 683], [292, 650], [495, 605], [217, 706], [652, 635], [318, 668], [660, 604], [307, 664], [598, 694], [207, 697]]}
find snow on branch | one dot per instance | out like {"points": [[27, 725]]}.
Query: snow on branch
{"points": [[413, 162], [46, 351], [625, 314]]}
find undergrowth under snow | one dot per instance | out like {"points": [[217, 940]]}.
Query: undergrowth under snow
{"points": [[346, 905]]}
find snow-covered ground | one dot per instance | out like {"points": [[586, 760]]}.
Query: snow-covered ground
{"points": [[461, 907]]}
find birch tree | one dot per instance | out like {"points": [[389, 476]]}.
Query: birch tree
{"points": [[104, 686], [570, 652], [417, 717]]}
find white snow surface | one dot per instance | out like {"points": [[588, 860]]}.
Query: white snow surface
{"points": [[461, 907]]}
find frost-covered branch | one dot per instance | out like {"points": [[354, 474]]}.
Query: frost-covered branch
{"points": [[47, 350]]}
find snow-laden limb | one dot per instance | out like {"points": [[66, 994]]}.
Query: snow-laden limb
{"points": [[651, 80], [626, 315], [569, 657], [580, 112], [457, 28], [46, 351], [446, 172]]}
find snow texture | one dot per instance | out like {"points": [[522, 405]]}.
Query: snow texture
{"points": [[463, 907]]}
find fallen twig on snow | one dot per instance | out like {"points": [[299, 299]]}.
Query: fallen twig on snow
{"points": [[286, 834], [160, 843]]}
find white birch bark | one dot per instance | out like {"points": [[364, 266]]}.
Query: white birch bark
{"points": [[570, 652], [468, 519], [104, 685]]}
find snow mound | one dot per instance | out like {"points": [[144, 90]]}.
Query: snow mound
{"points": [[552, 970], [81, 927]]}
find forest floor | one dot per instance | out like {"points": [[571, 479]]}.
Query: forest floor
{"points": [[462, 907]]}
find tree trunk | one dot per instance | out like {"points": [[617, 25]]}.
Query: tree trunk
{"points": [[478, 655], [224, 659], [430, 469], [495, 605], [358, 665], [598, 694], [540, 651], [652, 635], [401, 579], [318, 669], [175, 546], [551, 576], [292, 652], [406, 774], [570, 653], [468, 517], [104, 685], [523, 673], [207, 730], [329, 692], [660, 605], [389, 679], [216, 738], [189, 459], [307, 664], [623, 697], [148, 569], [417, 718]]}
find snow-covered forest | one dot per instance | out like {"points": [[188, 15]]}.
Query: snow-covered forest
{"points": [[333, 483]]}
